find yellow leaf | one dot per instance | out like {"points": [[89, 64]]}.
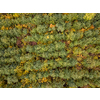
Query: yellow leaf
{"points": [[22, 62], [75, 48], [10, 46], [73, 30], [47, 37], [91, 27], [25, 72], [46, 33], [89, 16], [58, 59], [78, 64], [38, 42], [18, 26], [44, 14], [68, 42], [51, 32], [6, 28], [8, 17], [52, 25], [45, 60], [30, 86], [23, 42], [95, 57], [82, 30], [65, 13], [16, 15], [68, 56], [20, 73], [79, 58], [24, 25], [49, 42], [66, 21], [50, 14], [2, 28]]}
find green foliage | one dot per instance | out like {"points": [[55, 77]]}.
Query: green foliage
{"points": [[41, 29], [77, 25], [49, 50]]}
